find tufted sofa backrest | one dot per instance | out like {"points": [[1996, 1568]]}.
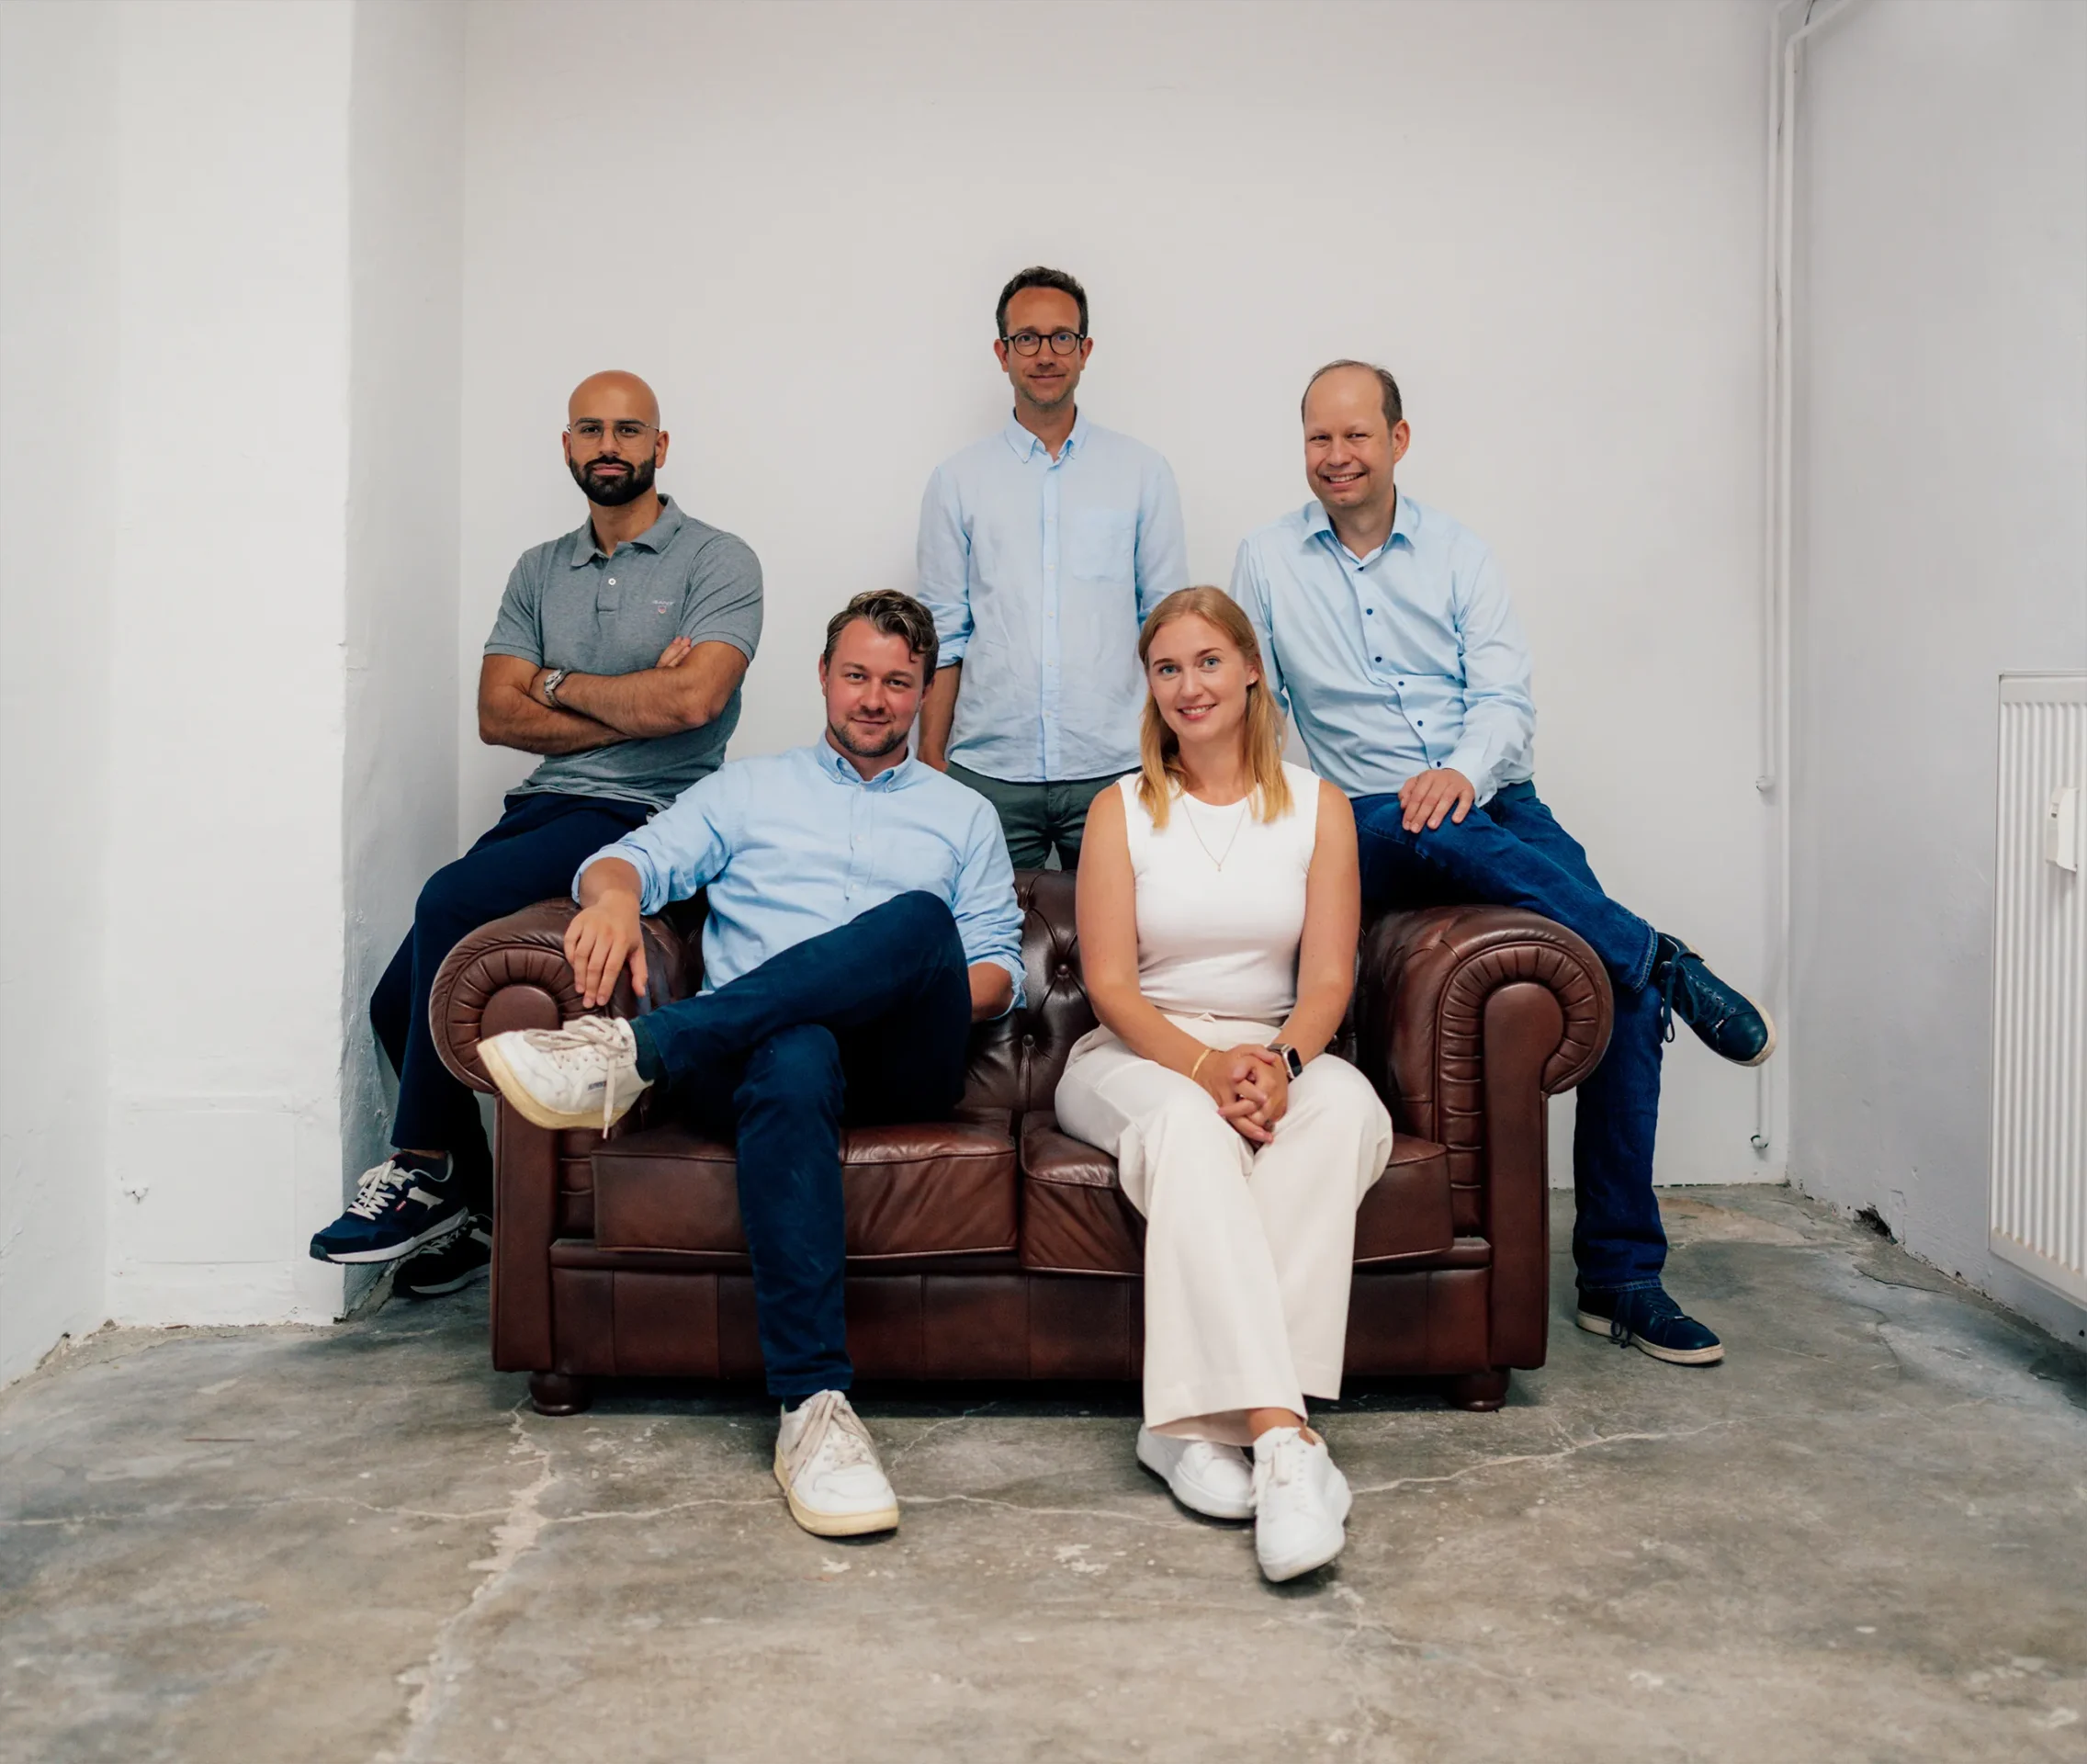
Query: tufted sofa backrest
{"points": [[1016, 1061]]}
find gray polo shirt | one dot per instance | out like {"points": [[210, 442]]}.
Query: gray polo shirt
{"points": [[569, 605]]}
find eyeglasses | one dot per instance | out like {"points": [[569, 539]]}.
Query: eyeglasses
{"points": [[1027, 343], [591, 429]]}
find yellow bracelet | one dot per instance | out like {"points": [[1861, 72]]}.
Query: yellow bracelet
{"points": [[1198, 1066]]}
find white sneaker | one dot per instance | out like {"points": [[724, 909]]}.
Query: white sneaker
{"points": [[830, 1472], [584, 1074], [1301, 1504], [1213, 1480]]}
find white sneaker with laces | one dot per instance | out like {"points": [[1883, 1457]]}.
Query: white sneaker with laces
{"points": [[1213, 1480], [1301, 1504], [828, 1469], [584, 1074]]}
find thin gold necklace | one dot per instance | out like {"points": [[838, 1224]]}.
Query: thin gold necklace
{"points": [[1246, 803]]}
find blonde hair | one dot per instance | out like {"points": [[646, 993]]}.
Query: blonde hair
{"points": [[1159, 748]]}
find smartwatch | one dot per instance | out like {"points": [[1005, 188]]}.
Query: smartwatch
{"points": [[1292, 1064], [551, 684]]}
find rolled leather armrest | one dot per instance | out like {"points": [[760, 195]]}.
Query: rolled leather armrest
{"points": [[1467, 1020], [512, 974], [1420, 1009]]}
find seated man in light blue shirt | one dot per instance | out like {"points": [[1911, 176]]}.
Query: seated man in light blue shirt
{"points": [[1041, 549], [863, 916], [1387, 633]]}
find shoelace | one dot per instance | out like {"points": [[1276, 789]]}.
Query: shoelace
{"points": [[1656, 1309], [379, 1189], [1286, 1462], [585, 1035], [837, 1424], [1667, 995]]}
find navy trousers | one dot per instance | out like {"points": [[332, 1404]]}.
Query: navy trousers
{"points": [[530, 855], [869, 1022], [1513, 853]]}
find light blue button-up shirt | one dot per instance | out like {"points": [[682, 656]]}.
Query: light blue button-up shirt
{"points": [[1039, 573], [793, 844], [1407, 659]]}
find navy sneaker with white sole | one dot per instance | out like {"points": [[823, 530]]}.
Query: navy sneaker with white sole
{"points": [[1647, 1319], [450, 1262], [1725, 1020], [396, 1209]]}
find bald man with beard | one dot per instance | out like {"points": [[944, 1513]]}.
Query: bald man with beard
{"points": [[617, 656]]}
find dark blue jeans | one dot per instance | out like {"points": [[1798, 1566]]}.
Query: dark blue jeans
{"points": [[530, 855], [869, 1022], [1513, 853]]}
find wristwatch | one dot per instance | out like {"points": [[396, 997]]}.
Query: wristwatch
{"points": [[552, 681], [1292, 1064]]}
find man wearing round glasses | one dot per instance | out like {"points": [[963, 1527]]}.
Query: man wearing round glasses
{"points": [[1041, 548], [617, 656]]}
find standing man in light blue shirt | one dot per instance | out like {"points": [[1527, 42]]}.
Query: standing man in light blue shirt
{"points": [[1041, 549], [1388, 634], [863, 916]]}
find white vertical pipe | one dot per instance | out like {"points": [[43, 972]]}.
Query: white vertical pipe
{"points": [[1774, 779]]}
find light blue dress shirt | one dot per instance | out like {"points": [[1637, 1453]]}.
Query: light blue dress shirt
{"points": [[1039, 573], [1390, 664], [793, 844]]}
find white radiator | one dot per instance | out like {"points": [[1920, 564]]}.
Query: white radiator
{"points": [[2039, 982]]}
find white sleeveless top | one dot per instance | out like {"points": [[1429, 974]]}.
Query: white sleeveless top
{"points": [[1222, 941]]}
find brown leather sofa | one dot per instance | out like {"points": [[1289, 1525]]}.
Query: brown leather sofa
{"points": [[994, 1245]]}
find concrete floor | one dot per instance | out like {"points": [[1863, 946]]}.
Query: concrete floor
{"points": [[1864, 1538]]}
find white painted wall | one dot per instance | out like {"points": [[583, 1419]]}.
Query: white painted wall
{"points": [[1943, 526], [241, 719], [227, 623], [405, 236], [57, 528], [795, 221], [232, 250]]}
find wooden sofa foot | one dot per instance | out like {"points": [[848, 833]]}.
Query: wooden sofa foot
{"points": [[1478, 1390], [560, 1392]]}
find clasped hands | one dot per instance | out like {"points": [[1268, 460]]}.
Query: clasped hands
{"points": [[673, 656], [1250, 1086]]}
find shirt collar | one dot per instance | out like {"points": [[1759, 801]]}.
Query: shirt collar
{"points": [[837, 766], [655, 539], [1405, 524], [1024, 444]]}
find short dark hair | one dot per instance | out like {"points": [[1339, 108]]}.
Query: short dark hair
{"points": [[894, 614], [1036, 276], [1394, 409]]}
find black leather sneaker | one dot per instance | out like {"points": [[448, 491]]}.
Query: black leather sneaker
{"points": [[1725, 1020], [450, 1262], [1647, 1319]]}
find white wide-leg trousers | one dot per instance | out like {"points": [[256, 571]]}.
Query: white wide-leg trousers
{"points": [[1248, 1250]]}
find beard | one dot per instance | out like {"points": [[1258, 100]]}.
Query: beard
{"points": [[1051, 393], [613, 493], [893, 738]]}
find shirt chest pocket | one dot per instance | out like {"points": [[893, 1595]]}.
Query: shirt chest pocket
{"points": [[1101, 545]]}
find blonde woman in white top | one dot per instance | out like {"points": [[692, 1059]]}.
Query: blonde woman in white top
{"points": [[1219, 907]]}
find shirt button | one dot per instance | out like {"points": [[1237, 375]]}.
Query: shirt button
{"points": [[1369, 612], [1376, 658], [612, 582]]}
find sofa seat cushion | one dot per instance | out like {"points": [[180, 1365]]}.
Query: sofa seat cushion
{"points": [[1407, 1214], [1076, 1219], [940, 1188]]}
